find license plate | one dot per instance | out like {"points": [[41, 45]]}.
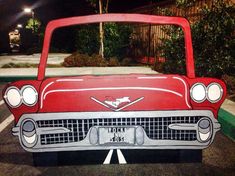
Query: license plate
{"points": [[114, 135]]}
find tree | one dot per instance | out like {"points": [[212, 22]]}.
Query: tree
{"points": [[102, 9], [33, 24], [213, 42]]}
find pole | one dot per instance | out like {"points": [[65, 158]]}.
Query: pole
{"points": [[33, 21], [149, 37], [101, 52]]}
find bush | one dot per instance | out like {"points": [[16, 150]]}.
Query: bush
{"points": [[116, 40], [230, 83], [84, 60], [87, 39], [127, 61], [113, 61], [213, 41]]}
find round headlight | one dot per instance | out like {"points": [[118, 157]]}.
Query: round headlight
{"points": [[30, 95], [204, 130], [204, 124], [198, 92], [214, 92], [28, 126], [29, 136], [13, 97]]}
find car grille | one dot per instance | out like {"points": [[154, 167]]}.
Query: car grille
{"points": [[156, 128]]}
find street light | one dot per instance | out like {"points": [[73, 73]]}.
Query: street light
{"points": [[29, 10], [19, 26]]}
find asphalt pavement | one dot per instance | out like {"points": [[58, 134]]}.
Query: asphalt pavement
{"points": [[218, 159]]}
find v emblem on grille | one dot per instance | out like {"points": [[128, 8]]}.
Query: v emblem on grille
{"points": [[115, 105]]}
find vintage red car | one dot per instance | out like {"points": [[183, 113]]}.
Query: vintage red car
{"points": [[130, 111]]}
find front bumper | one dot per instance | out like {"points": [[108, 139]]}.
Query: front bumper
{"points": [[152, 130]]}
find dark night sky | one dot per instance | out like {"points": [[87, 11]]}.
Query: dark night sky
{"points": [[11, 12], [46, 10]]}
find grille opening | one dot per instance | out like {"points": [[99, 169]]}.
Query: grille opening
{"points": [[156, 128]]}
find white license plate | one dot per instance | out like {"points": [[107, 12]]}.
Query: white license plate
{"points": [[114, 135]]}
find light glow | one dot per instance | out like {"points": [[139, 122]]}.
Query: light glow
{"points": [[27, 10], [19, 26]]}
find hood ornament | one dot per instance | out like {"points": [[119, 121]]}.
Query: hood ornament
{"points": [[115, 104]]}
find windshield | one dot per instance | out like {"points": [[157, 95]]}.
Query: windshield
{"points": [[114, 44]]}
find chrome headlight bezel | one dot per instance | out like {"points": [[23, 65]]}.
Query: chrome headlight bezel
{"points": [[208, 92], [204, 134], [29, 138], [6, 96], [25, 101], [192, 91], [20, 97]]}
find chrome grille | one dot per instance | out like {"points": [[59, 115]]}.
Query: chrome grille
{"points": [[155, 127]]}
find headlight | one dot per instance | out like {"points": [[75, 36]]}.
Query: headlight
{"points": [[13, 97], [29, 136], [30, 95], [204, 130], [198, 92], [214, 92]]}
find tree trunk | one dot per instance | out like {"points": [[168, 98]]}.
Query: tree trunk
{"points": [[101, 51]]}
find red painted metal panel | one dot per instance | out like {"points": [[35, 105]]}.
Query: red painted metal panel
{"points": [[214, 107], [110, 93], [22, 109]]}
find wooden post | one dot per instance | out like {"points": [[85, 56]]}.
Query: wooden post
{"points": [[101, 51]]}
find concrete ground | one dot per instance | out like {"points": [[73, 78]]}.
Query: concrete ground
{"points": [[54, 58], [69, 71], [218, 159]]}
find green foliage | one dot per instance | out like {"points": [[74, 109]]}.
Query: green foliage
{"points": [[185, 3], [173, 50], [116, 39], [213, 42], [87, 39], [33, 24]]}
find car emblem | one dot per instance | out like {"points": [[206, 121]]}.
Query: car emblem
{"points": [[118, 103]]}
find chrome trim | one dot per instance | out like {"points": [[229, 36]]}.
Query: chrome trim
{"points": [[183, 126], [147, 144]]}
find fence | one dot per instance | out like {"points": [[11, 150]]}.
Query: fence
{"points": [[146, 38]]}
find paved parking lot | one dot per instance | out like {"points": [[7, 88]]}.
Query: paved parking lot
{"points": [[218, 159]]}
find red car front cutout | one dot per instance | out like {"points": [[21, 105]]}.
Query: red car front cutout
{"points": [[130, 111]]}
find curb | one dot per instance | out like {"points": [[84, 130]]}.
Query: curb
{"points": [[227, 121]]}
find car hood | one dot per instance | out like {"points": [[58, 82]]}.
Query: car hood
{"points": [[114, 93]]}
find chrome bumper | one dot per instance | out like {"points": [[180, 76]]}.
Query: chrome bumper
{"points": [[153, 130]]}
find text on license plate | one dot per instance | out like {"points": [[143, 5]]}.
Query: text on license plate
{"points": [[116, 135]]}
